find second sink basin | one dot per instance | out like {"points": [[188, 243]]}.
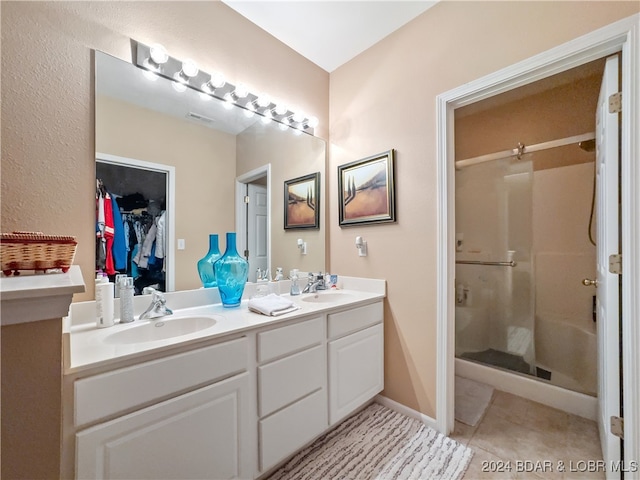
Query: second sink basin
{"points": [[326, 297], [162, 328]]}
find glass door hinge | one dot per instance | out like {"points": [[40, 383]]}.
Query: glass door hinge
{"points": [[615, 103], [617, 426], [615, 264]]}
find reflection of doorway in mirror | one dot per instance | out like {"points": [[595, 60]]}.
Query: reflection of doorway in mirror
{"points": [[253, 224], [257, 220], [140, 236]]}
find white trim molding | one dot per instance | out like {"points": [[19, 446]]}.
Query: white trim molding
{"points": [[622, 36]]}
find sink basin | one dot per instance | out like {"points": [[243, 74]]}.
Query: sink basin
{"points": [[162, 329], [326, 297]]}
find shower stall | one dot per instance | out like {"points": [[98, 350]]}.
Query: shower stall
{"points": [[521, 251]]}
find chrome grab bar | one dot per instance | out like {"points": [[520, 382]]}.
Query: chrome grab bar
{"points": [[494, 264]]}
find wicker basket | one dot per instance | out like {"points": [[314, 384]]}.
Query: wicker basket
{"points": [[35, 251]]}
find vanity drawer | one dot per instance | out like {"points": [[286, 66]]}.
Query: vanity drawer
{"points": [[355, 319], [290, 429], [281, 341], [109, 393], [285, 381]]}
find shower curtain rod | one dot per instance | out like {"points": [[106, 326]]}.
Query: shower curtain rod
{"points": [[523, 149]]}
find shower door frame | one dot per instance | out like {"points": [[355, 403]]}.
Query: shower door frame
{"points": [[621, 36]]}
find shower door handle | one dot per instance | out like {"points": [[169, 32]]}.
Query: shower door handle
{"points": [[588, 282]]}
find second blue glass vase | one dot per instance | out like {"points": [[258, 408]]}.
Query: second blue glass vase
{"points": [[231, 272], [205, 264]]}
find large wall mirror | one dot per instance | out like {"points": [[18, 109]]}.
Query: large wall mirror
{"points": [[192, 160]]}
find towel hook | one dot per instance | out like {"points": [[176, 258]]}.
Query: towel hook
{"points": [[521, 148]]}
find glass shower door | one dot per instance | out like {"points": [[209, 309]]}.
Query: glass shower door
{"points": [[494, 301]]}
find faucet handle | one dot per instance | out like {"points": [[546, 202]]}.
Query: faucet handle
{"points": [[158, 297]]}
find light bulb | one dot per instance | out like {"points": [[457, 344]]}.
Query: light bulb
{"points": [[296, 131], [241, 90], [178, 86], [281, 109], [228, 101], [264, 100], [313, 122], [158, 54], [298, 117], [283, 126], [266, 117], [204, 97], [189, 68], [149, 75], [217, 80], [249, 113]]}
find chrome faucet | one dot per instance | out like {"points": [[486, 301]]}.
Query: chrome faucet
{"points": [[314, 283], [158, 307]]}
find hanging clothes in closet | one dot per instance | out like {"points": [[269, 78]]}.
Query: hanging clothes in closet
{"points": [[129, 239]]}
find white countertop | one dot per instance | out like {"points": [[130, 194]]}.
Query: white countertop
{"points": [[38, 296], [89, 347]]}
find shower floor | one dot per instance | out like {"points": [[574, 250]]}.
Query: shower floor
{"points": [[500, 359]]}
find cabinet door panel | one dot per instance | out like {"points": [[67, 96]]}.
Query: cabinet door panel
{"points": [[356, 371], [284, 381], [284, 340], [342, 323], [109, 393], [196, 435], [288, 430]]}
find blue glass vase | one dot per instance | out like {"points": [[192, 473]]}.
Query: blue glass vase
{"points": [[205, 264], [231, 272]]}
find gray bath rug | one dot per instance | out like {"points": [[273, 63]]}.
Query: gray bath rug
{"points": [[379, 444], [472, 399]]}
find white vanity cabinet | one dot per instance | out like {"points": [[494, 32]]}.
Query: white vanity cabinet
{"points": [[356, 358], [156, 430], [292, 388]]}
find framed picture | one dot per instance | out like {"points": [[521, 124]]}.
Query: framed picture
{"points": [[366, 190], [302, 202]]}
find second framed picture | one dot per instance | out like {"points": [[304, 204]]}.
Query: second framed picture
{"points": [[302, 202], [366, 190]]}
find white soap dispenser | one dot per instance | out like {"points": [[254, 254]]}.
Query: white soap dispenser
{"points": [[104, 301]]}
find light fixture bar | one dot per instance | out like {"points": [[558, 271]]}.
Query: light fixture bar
{"points": [[265, 107]]}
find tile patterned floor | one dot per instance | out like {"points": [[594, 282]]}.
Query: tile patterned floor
{"points": [[521, 439]]}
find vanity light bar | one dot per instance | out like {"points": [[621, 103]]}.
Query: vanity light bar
{"points": [[215, 86]]}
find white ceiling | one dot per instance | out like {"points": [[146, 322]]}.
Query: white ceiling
{"points": [[329, 33]]}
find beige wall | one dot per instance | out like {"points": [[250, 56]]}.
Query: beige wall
{"points": [[385, 98], [47, 94], [205, 172]]}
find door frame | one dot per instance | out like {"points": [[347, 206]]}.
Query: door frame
{"points": [[621, 36], [170, 227], [241, 211]]}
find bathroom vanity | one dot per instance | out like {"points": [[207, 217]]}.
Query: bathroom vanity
{"points": [[233, 397]]}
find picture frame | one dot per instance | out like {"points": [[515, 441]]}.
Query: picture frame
{"points": [[366, 190], [302, 202]]}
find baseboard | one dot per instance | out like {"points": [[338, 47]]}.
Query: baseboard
{"points": [[409, 412]]}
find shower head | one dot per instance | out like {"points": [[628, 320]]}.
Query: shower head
{"points": [[588, 145]]}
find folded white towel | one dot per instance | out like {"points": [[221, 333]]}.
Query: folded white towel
{"points": [[272, 305]]}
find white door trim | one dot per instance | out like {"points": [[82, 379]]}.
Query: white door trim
{"points": [[241, 211], [624, 36], [170, 228]]}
